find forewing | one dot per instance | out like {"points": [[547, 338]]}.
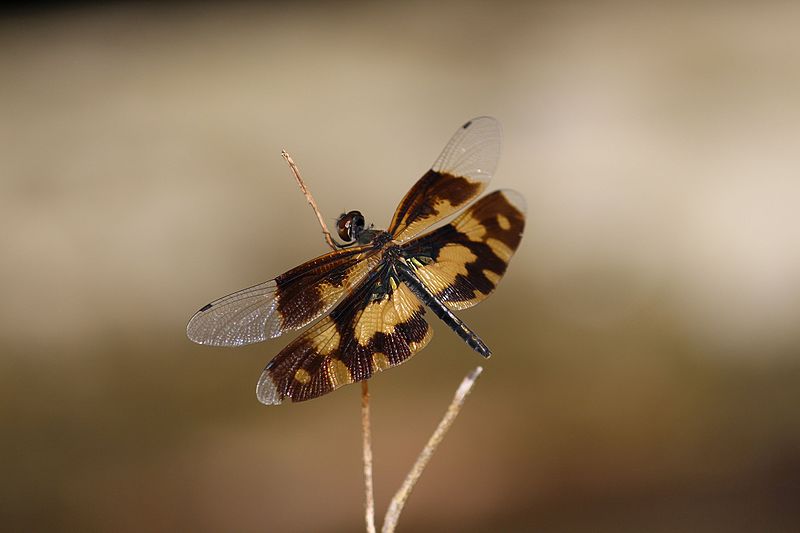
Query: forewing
{"points": [[290, 301], [364, 334], [458, 176], [462, 262]]}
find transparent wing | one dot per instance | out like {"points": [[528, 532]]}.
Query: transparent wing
{"points": [[237, 319], [288, 302], [458, 176]]}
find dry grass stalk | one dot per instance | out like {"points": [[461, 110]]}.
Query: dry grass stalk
{"points": [[311, 202], [369, 510], [399, 499]]}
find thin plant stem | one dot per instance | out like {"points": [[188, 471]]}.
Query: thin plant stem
{"points": [[369, 511], [311, 202], [399, 499], [369, 515]]}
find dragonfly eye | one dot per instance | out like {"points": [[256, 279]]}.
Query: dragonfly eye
{"points": [[350, 225]]}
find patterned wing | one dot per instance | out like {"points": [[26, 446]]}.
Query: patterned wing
{"points": [[379, 325], [290, 301], [459, 175], [462, 262]]}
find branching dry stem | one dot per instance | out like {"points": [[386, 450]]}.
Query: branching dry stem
{"points": [[399, 499]]}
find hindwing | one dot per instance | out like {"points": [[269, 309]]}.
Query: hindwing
{"points": [[462, 262]]}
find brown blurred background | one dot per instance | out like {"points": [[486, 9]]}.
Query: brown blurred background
{"points": [[646, 366]]}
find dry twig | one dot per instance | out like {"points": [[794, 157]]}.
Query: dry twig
{"points": [[399, 499], [369, 511], [311, 202]]}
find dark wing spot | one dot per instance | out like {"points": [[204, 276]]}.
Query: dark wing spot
{"points": [[205, 308], [467, 125]]}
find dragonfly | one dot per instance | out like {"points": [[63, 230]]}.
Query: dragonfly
{"points": [[368, 298]]}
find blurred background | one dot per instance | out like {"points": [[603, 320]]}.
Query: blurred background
{"points": [[646, 373]]}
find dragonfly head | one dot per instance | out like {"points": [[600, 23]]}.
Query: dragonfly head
{"points": [[350, 226]]}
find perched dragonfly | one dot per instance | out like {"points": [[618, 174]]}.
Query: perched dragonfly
{"points": [[380, 282]]}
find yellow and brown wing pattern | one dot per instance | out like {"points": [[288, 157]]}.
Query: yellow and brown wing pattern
{"points": [[458, 176], [462, 262], [380, 324], [290, 301]]}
